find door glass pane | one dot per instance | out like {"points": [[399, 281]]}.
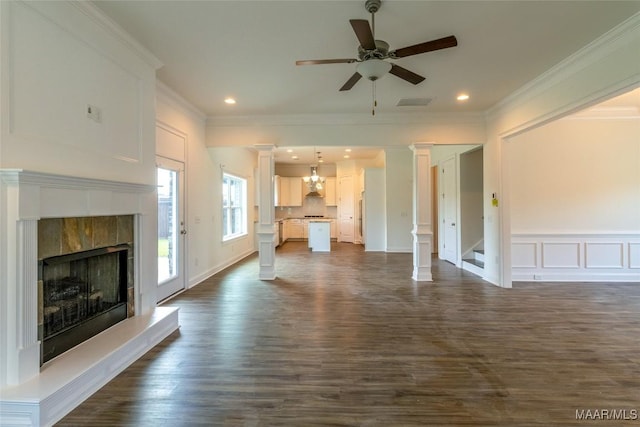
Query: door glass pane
{"points": [[167, 224]]}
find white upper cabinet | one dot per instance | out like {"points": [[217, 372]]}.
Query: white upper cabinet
{"points": [[295, 191], [288, 191], [330, 191]]}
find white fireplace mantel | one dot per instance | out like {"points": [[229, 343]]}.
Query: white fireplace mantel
{"points": [[34, 395]]}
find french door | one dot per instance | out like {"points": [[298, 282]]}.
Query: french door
{"points": [[171, 229]]}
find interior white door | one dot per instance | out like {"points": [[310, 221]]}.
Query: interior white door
{"points": [[171, 229], [346, 209], [449, 211]]}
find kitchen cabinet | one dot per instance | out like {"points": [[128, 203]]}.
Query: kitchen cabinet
{"points": [[288, 191], [276, 235], [295, 191], [296, 228], [285, 230], [276, 191], [330, 191]]}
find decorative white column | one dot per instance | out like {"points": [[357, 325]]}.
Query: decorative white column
{"points": [[266, 226], [422, 226]]}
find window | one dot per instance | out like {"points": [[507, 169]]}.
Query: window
{"points": [[234, 206]]}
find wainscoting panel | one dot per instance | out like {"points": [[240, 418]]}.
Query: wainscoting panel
{"points": [[634, 255], [524, 255], [561, 254], [606, 257]]}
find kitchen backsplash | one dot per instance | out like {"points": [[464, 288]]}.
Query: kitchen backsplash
{"points": [[310, 206]]}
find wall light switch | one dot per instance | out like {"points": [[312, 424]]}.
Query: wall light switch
{"points": [[94, 113]]}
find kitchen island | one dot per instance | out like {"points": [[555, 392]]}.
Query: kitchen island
{"points": [[320, 235]]}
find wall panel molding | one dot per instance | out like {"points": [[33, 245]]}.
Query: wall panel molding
{"points": [[561, 254], [634, 255], [585, 257]]}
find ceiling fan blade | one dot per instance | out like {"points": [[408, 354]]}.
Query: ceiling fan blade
{"points": [[405, 74], [352, 81], [325, 61], [443, 43], [363, 32]]}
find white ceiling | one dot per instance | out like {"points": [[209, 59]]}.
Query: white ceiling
{"points": [[247, 49]]}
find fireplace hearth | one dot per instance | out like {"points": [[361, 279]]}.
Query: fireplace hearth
{"points": [[83, 293]]}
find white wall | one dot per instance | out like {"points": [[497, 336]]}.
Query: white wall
{"points": [[575, 176], [606, 67], [55, 65], [374, 215], [357, 130], [206, 253], [575, 201], [442, 152], [399, 199], [471, 200], [240, 162], [56, 58]]}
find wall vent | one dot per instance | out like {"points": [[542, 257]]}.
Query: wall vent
{"points": [[414, 102]]}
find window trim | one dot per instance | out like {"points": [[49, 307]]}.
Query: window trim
{"points": [[243, 208]]}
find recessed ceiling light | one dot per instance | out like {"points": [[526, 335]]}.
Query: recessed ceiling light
{"points": [[320, 161], [462, 97], [348, 150], [346, 156], [294, 157], [289, 150], [229, 101]]}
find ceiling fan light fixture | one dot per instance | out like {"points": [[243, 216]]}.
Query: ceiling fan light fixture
{"points": [[373, 69]]}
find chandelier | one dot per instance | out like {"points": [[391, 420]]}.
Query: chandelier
{"points": [[314, 181]]}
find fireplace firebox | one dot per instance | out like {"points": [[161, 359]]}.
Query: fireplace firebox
{"points": [[81, 295]]}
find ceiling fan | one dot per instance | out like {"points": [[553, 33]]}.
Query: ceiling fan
{"points": [[372, 53]]}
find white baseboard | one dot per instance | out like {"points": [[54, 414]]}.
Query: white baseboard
{"points": [[576, 277], [399, 249], [196, 280]]}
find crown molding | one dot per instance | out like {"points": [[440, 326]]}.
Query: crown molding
{"points": [[607, 113], [111, 27], [176, 100], [623, 34]]}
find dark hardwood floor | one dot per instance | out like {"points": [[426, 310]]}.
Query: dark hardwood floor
{"points": [[348, 339]]}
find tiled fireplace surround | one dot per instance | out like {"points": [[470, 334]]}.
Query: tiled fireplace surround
{"points": [[35, 395]]}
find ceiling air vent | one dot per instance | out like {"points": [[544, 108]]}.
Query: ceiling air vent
{"points": [[414, 102]]}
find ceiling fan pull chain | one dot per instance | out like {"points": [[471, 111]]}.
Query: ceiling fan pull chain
{"points": [[374, 102]]}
